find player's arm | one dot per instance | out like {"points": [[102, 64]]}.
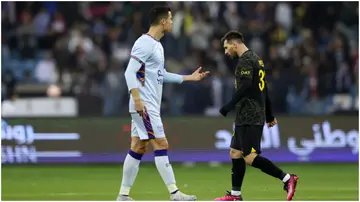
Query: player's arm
{"points": [[270, 119], [246, 77], [139, 54], [173, 78], [197, 75], [130, 77]]}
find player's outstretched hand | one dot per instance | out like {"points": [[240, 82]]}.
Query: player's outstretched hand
{"points": [[197, 75], [272, 123]]}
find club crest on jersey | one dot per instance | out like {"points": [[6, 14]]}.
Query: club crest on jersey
{"points": [[261, 63]]}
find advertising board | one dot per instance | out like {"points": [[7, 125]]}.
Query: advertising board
{"points": [[195, 139]]}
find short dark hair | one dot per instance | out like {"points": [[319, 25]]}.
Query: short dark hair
{"points": [[157, 13], [233, 35]]}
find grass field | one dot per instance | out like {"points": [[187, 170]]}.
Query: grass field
{"points": [[101, 182]]}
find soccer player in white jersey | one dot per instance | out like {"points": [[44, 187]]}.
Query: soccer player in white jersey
{"points": [[144, 76]]}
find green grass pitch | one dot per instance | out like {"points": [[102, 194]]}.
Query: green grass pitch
{"points": [[101, 182]]}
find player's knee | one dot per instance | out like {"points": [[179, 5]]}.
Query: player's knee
{"points": [[235, 154], [138, 146], [250, 158], [139, 150], [160, 144]]}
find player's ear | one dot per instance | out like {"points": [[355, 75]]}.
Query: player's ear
{"points": [[234, 45], [163, 21]]}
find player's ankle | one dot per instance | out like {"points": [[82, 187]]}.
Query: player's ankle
{"points": [[235, 193], [172, 188], [286, 178], [175, 192], [124, 191]]}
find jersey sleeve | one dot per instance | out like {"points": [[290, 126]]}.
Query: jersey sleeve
{"points": [[140, 53], [245, 80], [268, 108], [173, 78]]}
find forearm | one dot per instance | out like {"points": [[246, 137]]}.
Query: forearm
{"points": [[173, 78], [268, 107], [239, 93], [135, 94]]}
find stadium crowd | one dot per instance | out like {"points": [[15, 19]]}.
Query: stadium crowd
{"points": [[310, 51]]}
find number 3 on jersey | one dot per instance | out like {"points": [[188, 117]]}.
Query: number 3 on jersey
{"points": [[261, 82]]}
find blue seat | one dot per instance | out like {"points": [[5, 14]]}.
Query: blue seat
{"points": [[16, 66], [15, 55], [30, 65], [19, 67]]}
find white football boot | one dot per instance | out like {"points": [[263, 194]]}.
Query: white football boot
{"points": [[179, 196], [124, 198]]}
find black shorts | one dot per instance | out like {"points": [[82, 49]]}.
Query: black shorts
{"points": [[247, 138]]}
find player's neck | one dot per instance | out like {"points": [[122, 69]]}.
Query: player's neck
{"points": [[156, 32], [241, 50]]}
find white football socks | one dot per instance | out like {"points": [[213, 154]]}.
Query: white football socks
{"points": [[130, 171], [235, 193], [286, 178], [165, 169]]}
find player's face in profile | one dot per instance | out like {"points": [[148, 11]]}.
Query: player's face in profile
{"points": [[168, 23], [229, 49]]}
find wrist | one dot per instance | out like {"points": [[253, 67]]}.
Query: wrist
{"points": [[187, 78], [270, 119]]}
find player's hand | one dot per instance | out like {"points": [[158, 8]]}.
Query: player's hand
{"points": [[197, 75], [224, 110], [272, 123], [140, 107]]}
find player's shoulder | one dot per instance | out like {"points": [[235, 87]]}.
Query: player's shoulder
{"points": [[145, 39], [144, 42], [251, 58], [250, 55]]}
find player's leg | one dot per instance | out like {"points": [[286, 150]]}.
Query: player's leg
{"points": [[253, 158], [132, 161], [151, 127], [160, 146], [238, 167]]}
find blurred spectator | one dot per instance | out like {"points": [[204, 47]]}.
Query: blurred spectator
{"points": [[27, 42], [41, 22], [28, 77], [259, 22], [45, 71], [8, 84], [78, 41], [283, 15], [232, 17], [114, 15], [58, 25], [200, 33], [99, 27]]}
